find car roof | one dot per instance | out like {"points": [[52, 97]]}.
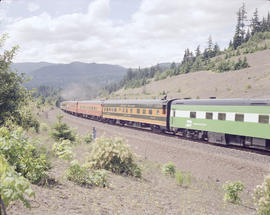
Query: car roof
{"points": [[234, 102]]}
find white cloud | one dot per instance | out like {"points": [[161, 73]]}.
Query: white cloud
{"points": [[32, 7], [157, 32]]}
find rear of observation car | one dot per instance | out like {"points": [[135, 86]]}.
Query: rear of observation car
{"points": [[142, 113], [69, 107], [231, 121]]}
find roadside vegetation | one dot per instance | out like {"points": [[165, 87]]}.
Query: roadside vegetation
{"points": [[21, 161]]}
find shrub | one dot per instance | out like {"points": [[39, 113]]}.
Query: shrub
{"points": [[27, 120], [62, 131], [114, 155], [169, 169], [183, 178], [179, 178], [247, 87], [187, 178], [63, 149], [20, 152], [80, 175], [44, 127], [88, 138], [78, 139], [13, 186], [261, 197], [233, 190]]}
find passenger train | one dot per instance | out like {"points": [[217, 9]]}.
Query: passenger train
{"points": [[243, 122]]}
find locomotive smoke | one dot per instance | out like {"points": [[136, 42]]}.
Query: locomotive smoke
{"points": [[79, 92]]}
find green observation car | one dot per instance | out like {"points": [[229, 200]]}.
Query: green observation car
{"points": [[242, 122]]}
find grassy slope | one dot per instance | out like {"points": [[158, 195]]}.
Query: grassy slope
{"points": [[252, 82]]}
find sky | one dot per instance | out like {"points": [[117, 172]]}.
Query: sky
{"points": [[130, 33]]}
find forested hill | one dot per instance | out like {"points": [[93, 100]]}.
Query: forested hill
{"points": [[62, 75], [249, 37]]}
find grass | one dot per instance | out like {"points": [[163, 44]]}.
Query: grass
{"points": [[247, 87]]}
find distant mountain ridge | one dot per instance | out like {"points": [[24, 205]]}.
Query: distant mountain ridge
{"points": [[28, 67], [62, 75]]}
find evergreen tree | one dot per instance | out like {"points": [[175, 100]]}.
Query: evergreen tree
{"points": [[264, 25], [248, 35], [129, 74], [237, 39], [216, 50], [173, 66], [255, 23], [205, 54], [198, 51], [230, 44], [210, 43], [242, 22], [268, 22]]}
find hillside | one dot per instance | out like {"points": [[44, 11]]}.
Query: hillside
{"points": [[62, 75], [28, 67], [252, 82]]}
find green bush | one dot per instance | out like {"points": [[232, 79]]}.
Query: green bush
{"points": [[82, 176], [88, 138], [27, 120], [61, 131], [44, 127], [187, 179], [169, 169], [114, 155], [179, 178], [261, 197], [13, 186], [63, 149], [20, 152], [233, 190]]}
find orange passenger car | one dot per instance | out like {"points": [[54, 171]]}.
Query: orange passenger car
{"points": [[90, 109], [87, 109]]}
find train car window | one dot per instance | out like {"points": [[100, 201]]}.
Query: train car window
{"points": [[209, 115], [192, 114], [131, 110], [126, 110], [163, 109], [144, 111], [222, 116], [150, 111], [138, 111], [115, 109], [239, 117], [173, 113], [157, 112], [264, 119]]}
